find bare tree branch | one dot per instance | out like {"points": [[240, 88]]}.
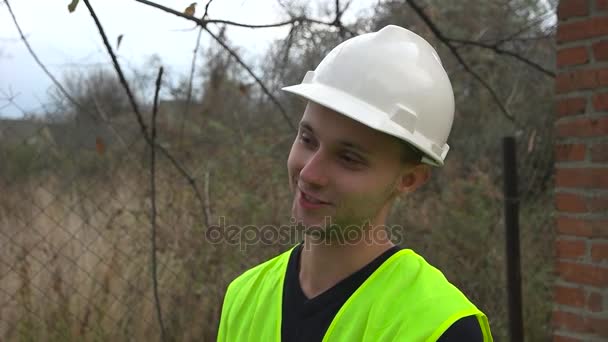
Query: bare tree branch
{"points": [[10, 99], [142, 125], [527, 39], [287, 45], [190, 80], [102, 115], [454, 51], [525, 28], [121, 75], [255, 77], [337, 11], [207, 201], [38, 61], [204, 22], [498, 50], [206, 10], [153, 209]]}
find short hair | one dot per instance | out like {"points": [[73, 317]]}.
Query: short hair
{"points": [[409, 153]]}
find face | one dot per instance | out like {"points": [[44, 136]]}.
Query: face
{"points": [[344, 170]]}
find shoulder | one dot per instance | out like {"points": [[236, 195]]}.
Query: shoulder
{"points": [[432, 300], [412, 272], [266, 273]]}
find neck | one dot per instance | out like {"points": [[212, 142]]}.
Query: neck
{"points": [[324, 264]]}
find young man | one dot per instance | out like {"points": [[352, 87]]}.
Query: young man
{"points": [[380, 109]]}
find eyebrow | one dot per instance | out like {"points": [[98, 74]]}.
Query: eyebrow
{"points": [[345, 143]]}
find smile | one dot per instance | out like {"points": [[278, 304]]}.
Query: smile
{"points": [[308, 201]]}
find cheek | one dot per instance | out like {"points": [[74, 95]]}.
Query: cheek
{"points": [[358, 188], [294, 162]]}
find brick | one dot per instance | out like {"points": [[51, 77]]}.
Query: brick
{"points": [[583, 127], [599, 204], [589, 28], [576, 203], [570, 152], [599, 153], [593, 228], [600, 101], [571, 106], [595, 302], [601, 5], [597, 326], [582, 273], [571, 296], [581, 80], [568, 320], [582, 178], [572, 56], [570, 203], [569, 249], [572, 8], [600, 50], [559, 338], [599, 251]]}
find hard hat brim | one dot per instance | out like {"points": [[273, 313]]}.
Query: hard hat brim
{"points": [[362, 112]]}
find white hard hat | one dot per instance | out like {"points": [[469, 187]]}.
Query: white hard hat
{"points": [[392, 81]]}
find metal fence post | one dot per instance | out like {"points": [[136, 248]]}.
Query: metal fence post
{"points": [[512, 240]]}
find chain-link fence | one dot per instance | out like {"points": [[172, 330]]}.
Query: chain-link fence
{"points": [[99, 243], [76, 231]]}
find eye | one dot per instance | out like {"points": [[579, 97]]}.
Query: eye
{"points": [[351, 159], [305, 138]]}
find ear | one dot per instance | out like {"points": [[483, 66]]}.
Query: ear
{"points": [[412, 178]]}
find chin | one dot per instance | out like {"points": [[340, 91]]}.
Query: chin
{"points": [[306, 221]]}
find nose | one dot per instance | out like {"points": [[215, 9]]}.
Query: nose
{"points": [[314, 172]]}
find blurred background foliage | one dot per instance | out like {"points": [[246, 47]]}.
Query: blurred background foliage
{"points": [[74, 210]]}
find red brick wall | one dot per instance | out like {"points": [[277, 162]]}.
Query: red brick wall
{"points": [[581, 162]]}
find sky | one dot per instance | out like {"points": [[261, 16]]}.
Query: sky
{"points": [[63, 40]]}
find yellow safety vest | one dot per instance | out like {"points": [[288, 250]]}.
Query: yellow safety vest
{"points": [[405, 299]]}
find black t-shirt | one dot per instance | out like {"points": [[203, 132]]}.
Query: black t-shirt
{"points": [[308, 319]]}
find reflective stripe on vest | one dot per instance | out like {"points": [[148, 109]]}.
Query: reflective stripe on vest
{"points": [[405, 299]]}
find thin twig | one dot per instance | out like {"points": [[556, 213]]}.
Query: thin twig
{"points": [[451, 47], [338, 14], [80, 107], [292, 21], [153, 210], [526, 27], [252, 74], [38, 61], [207, 201], [204, 22], [142, 125], [121, 75], [533, 38], [498, 50], [206, 9], [338, 20], [10, 99], [190, 80], [287, 45]]}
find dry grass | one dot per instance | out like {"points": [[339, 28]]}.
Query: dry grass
{"points": [[75, 253]]}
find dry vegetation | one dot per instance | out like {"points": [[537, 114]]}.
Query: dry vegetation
{"points": [[76, 252], [75, 232]]}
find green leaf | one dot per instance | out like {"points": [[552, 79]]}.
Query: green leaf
{"points": [[72, 5]]}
